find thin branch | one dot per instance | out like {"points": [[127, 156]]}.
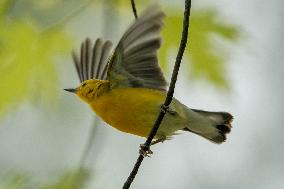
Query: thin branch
{"points": [[169, 97], [134, 9], [68, 17], [111, 19], [89, 142], [86, 151]]}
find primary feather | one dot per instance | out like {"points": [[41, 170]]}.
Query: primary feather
{"points": [[134, 62], [92, 63]]}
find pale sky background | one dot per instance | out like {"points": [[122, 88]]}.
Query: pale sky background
{"points": [[252, 157]]}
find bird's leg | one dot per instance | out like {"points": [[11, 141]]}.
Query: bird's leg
{"points": [[144, 151], [147, 152], [167, 109], [162, 139]]}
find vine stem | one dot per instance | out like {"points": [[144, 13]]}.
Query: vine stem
{"points": [[134, 9], [168, 100]]}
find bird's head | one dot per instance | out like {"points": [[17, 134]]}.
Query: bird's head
{"points": [[90, 89]]}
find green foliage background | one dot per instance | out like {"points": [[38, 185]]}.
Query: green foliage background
{"points": [[207, 61]]}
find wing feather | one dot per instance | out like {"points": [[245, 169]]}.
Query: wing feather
{"points": [[134, 62], [92, 63]]}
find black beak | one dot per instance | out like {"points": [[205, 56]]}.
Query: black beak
{"points": [[71, 90]]}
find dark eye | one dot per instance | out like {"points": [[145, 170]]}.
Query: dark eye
{"points": [[99, 86], [91, 90], [84, 84]]}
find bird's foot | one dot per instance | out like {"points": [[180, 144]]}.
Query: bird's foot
{"points": [[159, 140], [144, 151], [167, 109]]}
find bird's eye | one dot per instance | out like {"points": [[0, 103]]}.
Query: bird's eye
{"points": [[91, 90], [84, 84]]}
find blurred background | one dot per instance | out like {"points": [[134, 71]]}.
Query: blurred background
{"points": [[49, 139]]}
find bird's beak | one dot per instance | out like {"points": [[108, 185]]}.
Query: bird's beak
{"points": [[71, 90]]}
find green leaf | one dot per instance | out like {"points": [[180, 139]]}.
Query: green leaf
{"points": [[46, 13], [4, 5], [76, 179], [208, 59], [26, 62], [15, 181], [70, 180]]}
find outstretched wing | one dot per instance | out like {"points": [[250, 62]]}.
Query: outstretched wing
{"points": [[134, 62], [92, 63]]}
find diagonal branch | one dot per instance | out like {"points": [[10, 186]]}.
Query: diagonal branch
{"points": [[68, 17], [169, 97]]}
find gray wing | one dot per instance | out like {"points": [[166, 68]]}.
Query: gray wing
{"points": [[134, 62], [92, 63]]}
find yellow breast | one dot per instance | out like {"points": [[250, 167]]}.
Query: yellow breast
{"points": [[131, 110]]}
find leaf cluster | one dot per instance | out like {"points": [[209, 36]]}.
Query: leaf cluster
{"points": [[27, 59], [75, 179], [207, 60]]}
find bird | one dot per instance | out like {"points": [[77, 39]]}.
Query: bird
{"points": [[126, 87]]}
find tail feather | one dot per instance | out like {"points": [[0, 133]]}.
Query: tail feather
{"points": [[211, 125]]}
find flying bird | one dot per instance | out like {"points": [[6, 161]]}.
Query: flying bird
{"points": [[126, 87]]}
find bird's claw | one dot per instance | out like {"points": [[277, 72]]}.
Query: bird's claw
{"points": [[166, 109], [145, 152]]}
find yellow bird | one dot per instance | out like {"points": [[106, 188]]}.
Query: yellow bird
{"points": [[126, 88]]}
